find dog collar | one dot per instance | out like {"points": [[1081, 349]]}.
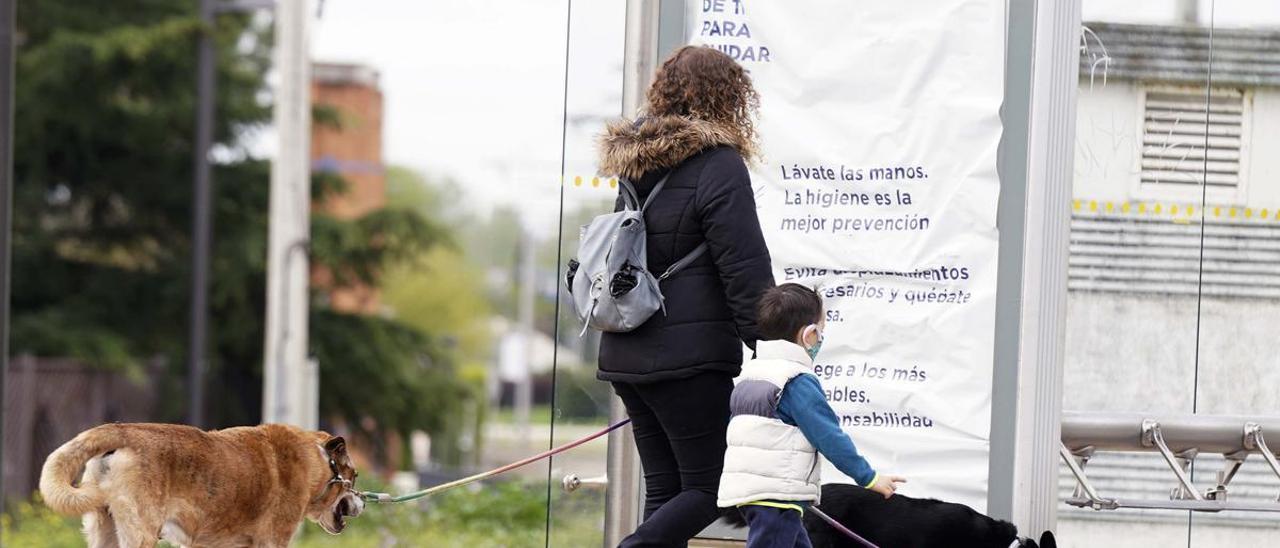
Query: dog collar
{"points": [[336, 478]]}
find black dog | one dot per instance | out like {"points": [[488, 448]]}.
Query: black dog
{"points": [[904, 522]]}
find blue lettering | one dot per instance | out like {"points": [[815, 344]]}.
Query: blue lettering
{"points": [[725, 28]]}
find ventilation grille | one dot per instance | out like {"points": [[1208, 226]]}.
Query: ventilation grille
{"points": [[1144, 476], [1180, 149], [1134, 255]]}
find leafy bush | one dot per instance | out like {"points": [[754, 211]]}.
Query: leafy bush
{"points": [[498, 515], [31, 524]]}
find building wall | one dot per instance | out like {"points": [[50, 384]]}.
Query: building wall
{"points": [[1148, 342], [354, 152], [1109, 148], [1128, 352], [1088, 533], [1264, 169], [1141, 345], [1108, 141]]}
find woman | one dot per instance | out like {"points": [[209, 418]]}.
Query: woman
{"points": [[675, 372]]}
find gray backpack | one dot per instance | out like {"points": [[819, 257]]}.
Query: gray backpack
{"points": [[610, 282]]}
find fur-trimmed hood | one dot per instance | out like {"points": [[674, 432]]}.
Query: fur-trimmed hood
{"points": [[632, 148]]}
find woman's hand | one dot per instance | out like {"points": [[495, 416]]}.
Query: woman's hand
{"points": [[888, 485]]}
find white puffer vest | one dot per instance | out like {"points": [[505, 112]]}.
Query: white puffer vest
{"points": [[768, 459]]}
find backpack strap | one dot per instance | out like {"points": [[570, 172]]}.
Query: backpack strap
{"points": [[630, 201], [629, 193], [684, 261]]}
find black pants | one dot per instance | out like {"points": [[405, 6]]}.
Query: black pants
{"points": [[679, 428], [775, 528]]}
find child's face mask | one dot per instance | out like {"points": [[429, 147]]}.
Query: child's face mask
{"points": [[817, 346]]}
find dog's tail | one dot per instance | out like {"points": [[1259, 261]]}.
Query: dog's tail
{"points": [[64, 466]]}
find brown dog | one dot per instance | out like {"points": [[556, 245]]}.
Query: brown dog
{"points": [[237, 487]]}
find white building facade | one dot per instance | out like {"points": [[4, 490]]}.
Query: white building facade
{"points": [[1174, 268]]}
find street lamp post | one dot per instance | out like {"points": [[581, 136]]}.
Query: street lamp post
{"points": [[202, 216], [287, 397], [7, 26], [202, 192]]}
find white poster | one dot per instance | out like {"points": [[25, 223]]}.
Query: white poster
{"points": [[879, 125]]}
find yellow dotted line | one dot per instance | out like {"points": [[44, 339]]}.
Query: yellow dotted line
{"points": [[1175, 210], [595, 182]]}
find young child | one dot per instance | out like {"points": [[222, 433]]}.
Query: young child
{"points": [[781, 422]]}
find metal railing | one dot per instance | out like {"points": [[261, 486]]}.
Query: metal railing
{"points": [[1178, 439]]}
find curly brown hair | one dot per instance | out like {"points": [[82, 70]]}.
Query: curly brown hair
{"points": [[703, 83]]}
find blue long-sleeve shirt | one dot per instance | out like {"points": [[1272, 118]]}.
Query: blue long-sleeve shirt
{"points": [[804, 406]]}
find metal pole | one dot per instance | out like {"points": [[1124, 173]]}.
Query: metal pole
{"points": [[622, 498], [285, 358], [202, 217], [1104, 431], [1050, 168], [1034, 222], [671, 26], [7, 24], [1011, 220], [524, 314]]}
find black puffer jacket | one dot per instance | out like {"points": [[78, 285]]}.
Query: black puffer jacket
{"points": [[708, 197]]}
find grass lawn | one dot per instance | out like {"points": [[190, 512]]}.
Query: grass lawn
{"points": [[499, 515]]}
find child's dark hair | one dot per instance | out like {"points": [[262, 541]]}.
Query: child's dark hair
{"points": [[785, 310]]}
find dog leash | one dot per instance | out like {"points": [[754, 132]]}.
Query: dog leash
{"points": [[840, 527], [387, 498]]}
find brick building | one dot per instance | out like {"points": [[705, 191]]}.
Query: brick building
{"points": [[351, 149]]}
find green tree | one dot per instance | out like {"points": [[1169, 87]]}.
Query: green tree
{"points": [[105, 99], [442, 290]]}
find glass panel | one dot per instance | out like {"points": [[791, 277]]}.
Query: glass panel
{"points": [[1132, 288], [1237, 368], [473, 95], [581, 403]]}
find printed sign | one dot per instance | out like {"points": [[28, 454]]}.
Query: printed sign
{"points": [[878, 187]]}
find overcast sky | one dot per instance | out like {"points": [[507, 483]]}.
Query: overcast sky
{"points": [[475, 89]]}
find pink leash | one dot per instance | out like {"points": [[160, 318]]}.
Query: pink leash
{"points": [[387, 498], [840, 527]]}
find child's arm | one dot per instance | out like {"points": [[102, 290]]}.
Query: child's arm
{"points": [[804, 405]]}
